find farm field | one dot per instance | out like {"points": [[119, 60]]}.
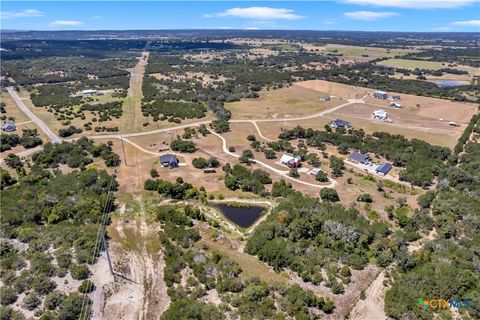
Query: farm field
{"points": [[412, 64]]}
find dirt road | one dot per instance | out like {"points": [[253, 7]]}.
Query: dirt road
{"points": [[372, 307]]}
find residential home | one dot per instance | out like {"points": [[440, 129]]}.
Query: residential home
{"points": [[9, 127], [340, 124], [380, 95], [360, 158], [169, 160], [289, 161], [395, 105], [380, 115]]}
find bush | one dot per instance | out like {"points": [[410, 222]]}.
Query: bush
{"points": [[293, 173], [31, 301], [220, 126], [321, 177], [79, 272], [154, 173], [183, 146], [54, 299], [87, 286], [7, 295], [71, 307], [329, 194], [365, 197]]}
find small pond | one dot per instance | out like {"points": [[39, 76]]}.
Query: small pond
{"points": [[450, 83], [243, 216]]}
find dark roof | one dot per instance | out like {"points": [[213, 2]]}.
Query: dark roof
{"points": [[384, 168], [169, 158], [341, 123], [359, 157]]}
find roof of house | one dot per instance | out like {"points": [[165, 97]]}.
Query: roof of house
{"points": [[380, 113], [384, 168], [8, 125], [285, 158], [314, 171], [359, 157], [341, 123], [168, 158], [395, 104], [380, 92], [326, 97]]}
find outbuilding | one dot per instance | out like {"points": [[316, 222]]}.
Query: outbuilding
{"points": [[169, 160], [384, 169], [326, 98], [394, 104], [209, 170], [337, 123], [360, 158], [9, 127]]}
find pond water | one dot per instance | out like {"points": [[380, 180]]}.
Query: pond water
{"points": [[243, 216], [450, 83]]}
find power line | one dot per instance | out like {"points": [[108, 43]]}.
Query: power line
{"points": [[100, 235]]}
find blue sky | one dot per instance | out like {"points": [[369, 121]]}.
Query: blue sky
{"points": [[368, 15]]}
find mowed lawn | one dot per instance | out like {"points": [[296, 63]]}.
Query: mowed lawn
{"points": [[412, 64]]}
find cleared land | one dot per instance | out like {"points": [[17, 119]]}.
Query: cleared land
{"points": [[292, 101], [413, 64]]}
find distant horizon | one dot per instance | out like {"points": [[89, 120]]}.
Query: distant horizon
{"points": [[249, 30], [330, 15]]}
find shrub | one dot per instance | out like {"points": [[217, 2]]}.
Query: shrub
{"points": [[87, 286], [7, 295], [321, 177], [31, 301], [54, 299], [365, 197], [79, 272], [329, 194]]}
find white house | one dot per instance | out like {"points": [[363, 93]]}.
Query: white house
{"points": [[289, 161], [380, 95], [380, 115], [89, 92]]}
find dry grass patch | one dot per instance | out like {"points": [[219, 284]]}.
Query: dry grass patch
{"points": [[292, 101]]}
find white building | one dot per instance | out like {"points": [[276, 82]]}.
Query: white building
{"points": [[89, 92], [380, 115]]}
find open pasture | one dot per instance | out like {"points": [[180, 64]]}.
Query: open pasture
{"points": [[292, 101]]}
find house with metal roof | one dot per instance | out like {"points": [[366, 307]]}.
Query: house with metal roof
{"points": [[169, 160], [289, 161], [337, 123], [9, 127], [384, 169], [326, 98], [394, 104], [380, 95], [359, 158], [380, 114]]}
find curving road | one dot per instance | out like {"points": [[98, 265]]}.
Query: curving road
{"points": [[269, 167]]}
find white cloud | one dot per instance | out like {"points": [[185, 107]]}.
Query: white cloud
{"points": [[97, 17], [466, 23], [65, 23], [21, 14], [415, 4], [263, 13], [369, 15]]}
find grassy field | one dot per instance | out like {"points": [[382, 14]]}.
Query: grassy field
{"points": [[412, 64], [286, 102], [357, 51]]}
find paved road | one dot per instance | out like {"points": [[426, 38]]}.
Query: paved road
{"points": [[52, 136]]}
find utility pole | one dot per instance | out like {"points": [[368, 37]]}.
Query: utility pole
{"points": [[105, 245], [123, 148]]}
